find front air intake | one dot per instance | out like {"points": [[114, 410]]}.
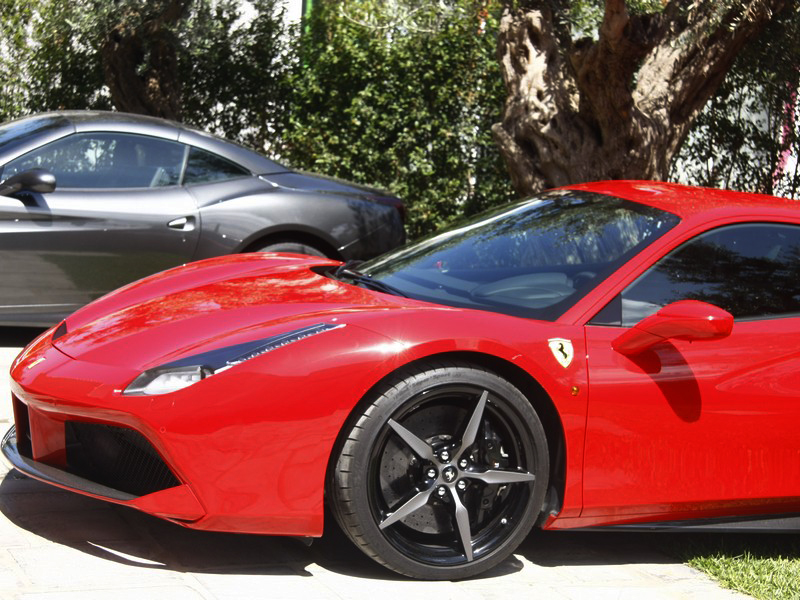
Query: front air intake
{"points": [[116, 457]]}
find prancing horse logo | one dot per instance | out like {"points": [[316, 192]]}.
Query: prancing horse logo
{"points": [[449, 474], [562, 350]]}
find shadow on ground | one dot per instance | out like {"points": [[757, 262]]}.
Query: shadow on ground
{"points": [[126, 536]]}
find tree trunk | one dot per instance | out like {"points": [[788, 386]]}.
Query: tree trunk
{"points": [[618, 107], [140, 61]]}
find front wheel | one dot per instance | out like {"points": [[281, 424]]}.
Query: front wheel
{"points": [[443, 474]]}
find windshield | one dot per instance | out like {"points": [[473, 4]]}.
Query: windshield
{"points": [[535, 258], [13, 131], [21, 131]]}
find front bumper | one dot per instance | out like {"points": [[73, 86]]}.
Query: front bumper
{"points": [[133, 477], [83, 444], [249, 447], [55, 476]]}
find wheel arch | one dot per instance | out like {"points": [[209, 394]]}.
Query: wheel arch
{"points": [[532, 390], [292, 235]]}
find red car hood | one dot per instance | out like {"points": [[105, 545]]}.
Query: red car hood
{"points": [[211, 304]]}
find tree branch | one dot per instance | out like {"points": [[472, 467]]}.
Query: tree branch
{"points": [[620, 106], [694, 60]]}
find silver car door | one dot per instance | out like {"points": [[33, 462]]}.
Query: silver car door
{"points": [[115, 219]]}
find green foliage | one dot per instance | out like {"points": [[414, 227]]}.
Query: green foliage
{"points": [[395, 15], [408, 109], [583, 17], [232, 72], [13, 15], [48, 59], [399, 94], [743, 136], [765, 566], [396, 93], [235, 72]]}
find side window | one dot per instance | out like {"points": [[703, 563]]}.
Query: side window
{"points": [[106, 160], [750, 270], [204, 167]]}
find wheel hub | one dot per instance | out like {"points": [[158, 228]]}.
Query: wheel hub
{"points": [[449, 507]]}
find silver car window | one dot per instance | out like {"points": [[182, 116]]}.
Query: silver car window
{"points": [[15, 132], [205, 167], [106, 160]]}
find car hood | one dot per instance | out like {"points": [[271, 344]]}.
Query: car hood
{"points": [[212, 304]]}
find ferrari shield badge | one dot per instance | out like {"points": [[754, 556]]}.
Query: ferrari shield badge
{"points": [[562, 350]]}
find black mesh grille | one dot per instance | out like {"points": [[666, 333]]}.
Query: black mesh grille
{"points": [[117, 457]]}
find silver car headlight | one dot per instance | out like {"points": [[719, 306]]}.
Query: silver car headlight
{"points": [[171, 377]]}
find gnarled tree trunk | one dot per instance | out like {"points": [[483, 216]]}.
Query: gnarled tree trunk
{"points": [[618, 107], [140, 60]]}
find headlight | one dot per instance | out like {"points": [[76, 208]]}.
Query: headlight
{"points": [[165, 380], [171, 377]]}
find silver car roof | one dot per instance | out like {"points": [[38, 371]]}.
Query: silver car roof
{"points": [[66, 122]]}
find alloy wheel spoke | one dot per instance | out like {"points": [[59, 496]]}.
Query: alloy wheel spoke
{"points": [[415, 503], [471, 431], [462, 524], [498, 476], [420, 447]]}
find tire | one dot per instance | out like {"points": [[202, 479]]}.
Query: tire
{"points": [[443, 474], [292, 248]]}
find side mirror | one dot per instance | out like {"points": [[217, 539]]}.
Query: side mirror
{"points": [[682, 320], [35, 180]]}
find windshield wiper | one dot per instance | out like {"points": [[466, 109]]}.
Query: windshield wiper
{"points": [[347, 267], [348, 271]]}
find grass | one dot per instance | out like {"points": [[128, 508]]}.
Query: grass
{"points": [[761, 565]]}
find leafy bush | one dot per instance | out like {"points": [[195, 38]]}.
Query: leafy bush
{"points": [[403, 104], [745, 135], [49, 58], [400, 94], [405, 108], [234, 71]]}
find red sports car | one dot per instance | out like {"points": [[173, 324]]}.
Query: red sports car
{"points": [[611, 353]]}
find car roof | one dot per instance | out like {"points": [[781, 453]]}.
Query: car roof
{"points": [[96, 120], [686, 201], [77, 117]]}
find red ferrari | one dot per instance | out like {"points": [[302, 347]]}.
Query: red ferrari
{"points": [[610, 353]]}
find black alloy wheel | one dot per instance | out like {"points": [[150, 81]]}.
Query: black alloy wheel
{"points": [[443, 474]]}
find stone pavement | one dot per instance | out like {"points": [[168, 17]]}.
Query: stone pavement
{"points": [[58, 545]]}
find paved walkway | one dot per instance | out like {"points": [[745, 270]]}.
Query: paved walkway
{"points": [[58, 545]]}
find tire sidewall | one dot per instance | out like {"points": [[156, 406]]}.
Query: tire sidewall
{"points": [[366, 433]]}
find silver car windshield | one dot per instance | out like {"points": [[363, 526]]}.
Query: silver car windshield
{"points": [[535, 258], [14, 131]]}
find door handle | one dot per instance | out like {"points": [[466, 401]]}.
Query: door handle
{"points": [[182, 224]]}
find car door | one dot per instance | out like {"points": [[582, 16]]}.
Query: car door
{"points": [[705, 427], [118, 214]]}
